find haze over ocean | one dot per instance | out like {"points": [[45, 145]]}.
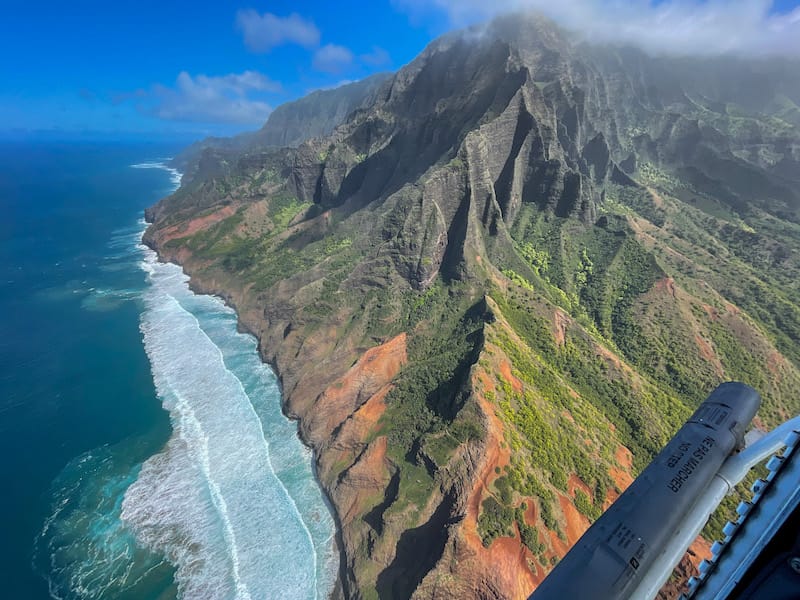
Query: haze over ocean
{"points": [[80, 414]]}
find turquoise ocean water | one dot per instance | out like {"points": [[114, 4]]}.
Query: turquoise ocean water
{"points": [[144, 451]]}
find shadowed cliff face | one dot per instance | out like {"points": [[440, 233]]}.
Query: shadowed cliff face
{"points": [[496, 289], [289, 125]]}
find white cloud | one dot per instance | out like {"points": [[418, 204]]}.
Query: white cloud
{"points": [[332, 59], [377, 58], [205, 99], [262, 32], [748, 27]]}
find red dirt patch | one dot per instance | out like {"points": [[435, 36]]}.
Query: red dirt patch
{"points": [[486, 380], [376, 368], [713, 313], [667, 284], [495, 457], [351, 438], [676, 586], [513, 557], [624, 457], [530, 513], [373, 409], [505, 371], [605, 353], [699, 551], [560, 323], [776, 363], [576, 523], [611, 497], [615, 361], [707, 352], [506, 560], [191, 227], [574, 482], [732, 308], [359, 484], [622, 476]]}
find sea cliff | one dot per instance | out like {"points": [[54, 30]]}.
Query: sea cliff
{"points": [[497, 287]]}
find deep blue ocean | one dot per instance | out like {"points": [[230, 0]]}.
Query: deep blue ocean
{"points": [[144, 453]]}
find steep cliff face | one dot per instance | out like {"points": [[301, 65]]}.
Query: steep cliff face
{"points": [[317, 114], [288, 126], [496, 289]]}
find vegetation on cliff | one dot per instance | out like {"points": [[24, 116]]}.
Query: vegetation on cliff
{"points": [[574, 244]]}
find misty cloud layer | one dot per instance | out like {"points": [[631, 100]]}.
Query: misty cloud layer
{"points": [[214, 99], [680, 27], [262, 32], [332, 59]]}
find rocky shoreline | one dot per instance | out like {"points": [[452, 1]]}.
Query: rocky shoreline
{"points": [[337, 411], [200, 286]]}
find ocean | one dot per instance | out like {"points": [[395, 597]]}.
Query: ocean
{"points": [[145, 452]]}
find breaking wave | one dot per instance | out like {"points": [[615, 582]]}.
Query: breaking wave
{"points": [[174, 174], [231, 501], [229, 506]]}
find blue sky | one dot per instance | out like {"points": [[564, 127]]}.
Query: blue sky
{"points": [[112, 66], [194, 68]]}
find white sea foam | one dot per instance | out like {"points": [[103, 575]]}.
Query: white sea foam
{"points": [[175, 175], [123, 256], [84, 550], [104, 300], [231, 500]]}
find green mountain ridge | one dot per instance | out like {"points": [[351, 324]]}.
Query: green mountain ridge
{"points": [[502, 282], [289, 125]]}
